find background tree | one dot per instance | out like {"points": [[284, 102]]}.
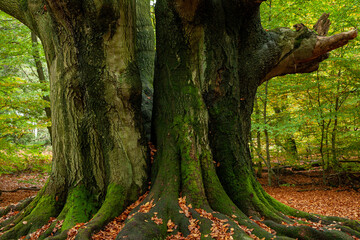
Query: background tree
{"points": [[23, 123], [308, 101], [211, 57]]}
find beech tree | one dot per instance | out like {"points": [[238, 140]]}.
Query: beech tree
{"points": [[211, 57]]}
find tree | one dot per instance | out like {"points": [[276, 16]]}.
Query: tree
{"points": [[98, 152], [40, 73], [211, 57], [313, 113], [22, 120], [19, 86]]}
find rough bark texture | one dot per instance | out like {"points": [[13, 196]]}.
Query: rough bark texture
{"points": [[145, 57], [211, 57], [98, 151]]}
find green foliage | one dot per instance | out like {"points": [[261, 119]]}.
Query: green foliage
{"points": [[19, 158], [21, 95], [23, 123], [22, 107], [321, 110]]}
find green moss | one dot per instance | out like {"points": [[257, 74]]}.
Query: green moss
{"points": [[113, 205], [192, 92], [35, 217], [354, 224], [24, 5], [190, 166], [217, 197], [306, 232], [45, 208], [79, 207], [188, 89]]}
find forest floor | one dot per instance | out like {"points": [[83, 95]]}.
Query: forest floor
{"points": [[16, 187], [302, 190]]}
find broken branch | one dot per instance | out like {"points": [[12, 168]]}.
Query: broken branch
{"points": [[303, 50]]}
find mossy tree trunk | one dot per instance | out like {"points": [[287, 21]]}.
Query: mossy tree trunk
{"points": [[99, 151], [211, 57], [145, 58]]}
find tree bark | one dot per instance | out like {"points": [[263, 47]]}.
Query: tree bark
{"points": [[145, 58], [99, 162], [258, 138], [267, 140], [211, 57]]}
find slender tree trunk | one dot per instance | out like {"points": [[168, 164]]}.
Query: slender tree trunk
{"points": [[322, 127], [258, 138], [41, 75], [266, 133], [322, 150], [335, 161], [289, 144], [258, 133], [327, 149]]}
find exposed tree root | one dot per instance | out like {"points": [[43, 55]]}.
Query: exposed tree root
{"points": [[328, 226], [34, 216], [207, 212], [22, 189], [46, 218], [111, 207], [188, 201], [14, 208], [163, 220], [179, 206]]}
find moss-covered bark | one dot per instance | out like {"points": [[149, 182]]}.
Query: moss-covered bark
{"points": [[211, 57], [99, 150], [145, 58]]}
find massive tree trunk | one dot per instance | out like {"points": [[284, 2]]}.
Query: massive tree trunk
{"points": [[211, 57], [99, 163]]}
